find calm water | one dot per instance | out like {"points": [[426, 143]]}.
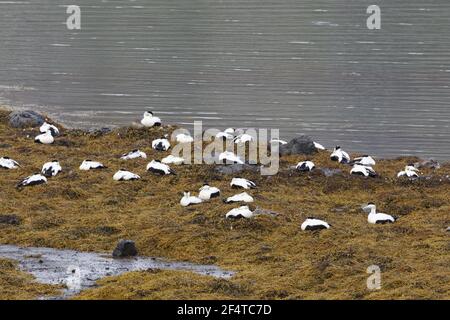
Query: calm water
{"points": [[304, 66]]}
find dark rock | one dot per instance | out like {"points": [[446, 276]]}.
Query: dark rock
{"points": [[431, 164], [11, 219], [99, 132], [330, 172], [299, 145], [125, 248], [65, 143], [236, 168], [199, 219], [24, 119]]}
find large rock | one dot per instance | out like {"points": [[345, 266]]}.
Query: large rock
{"points": [[300, 145], [25, 119], [125, 248]]}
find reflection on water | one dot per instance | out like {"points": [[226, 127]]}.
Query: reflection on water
{"points": [[306, 66]]}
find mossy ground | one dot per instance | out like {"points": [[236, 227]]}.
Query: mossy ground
{"points": [[17, 285], [273, 258]]}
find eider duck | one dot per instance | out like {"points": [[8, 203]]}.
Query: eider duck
{"points": [[136, 153], [364, 160], [32, 180], [184, 138], [227, 134], [157, 167], [45, 138], [305, 166], [318, 146], [161, 144], [49, 127], [279, 141], [207, 192], [339, 155], [170, 159], [410, 171], [238, 213], [243, 138], [51, 169], [375, 217], [242, 183], [361, 170], [230, 157], [124, 175], [241, 197], [8, 163], [149, 120], [312, 223], [188, 200], [89, 164]]}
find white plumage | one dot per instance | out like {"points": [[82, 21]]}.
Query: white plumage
{"points": [[8, 163], [279, 141], [161, 144], [305, 166], [49, 127], [157, 167], [149, 120], [184, 138], [44, 138], [243, 138], [51, 169], [89, 165], [227, 134], [375, 217], [241, 212], [318, 146], [241, 197], [124, 175], [339, 155], [364, 160], [242, 183], [133, 155], [230, 157], [207, 192], [312, 223], [410, 171], [188, 200], [361, 170], [170, 159], [32, 180]]}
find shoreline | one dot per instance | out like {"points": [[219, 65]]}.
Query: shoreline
{"points": [[273, 257], [137, 125]]}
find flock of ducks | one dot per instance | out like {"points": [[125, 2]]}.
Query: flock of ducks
{"points": [[360, 166]]}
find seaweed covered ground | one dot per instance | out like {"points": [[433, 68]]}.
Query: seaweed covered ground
{"points": [[273, 258], [17, 285]]}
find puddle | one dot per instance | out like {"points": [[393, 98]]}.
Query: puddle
{"points": [[80, 270]]}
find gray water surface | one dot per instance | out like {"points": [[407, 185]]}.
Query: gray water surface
{"points": [[304, 66], [80, 270]]}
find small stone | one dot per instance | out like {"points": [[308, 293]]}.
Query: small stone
{"points": [[25, 119], [330, 172], [11, 219], [125, 248]]}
